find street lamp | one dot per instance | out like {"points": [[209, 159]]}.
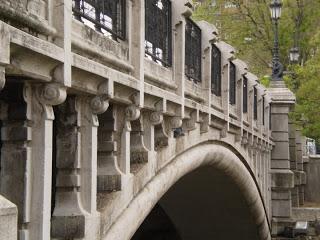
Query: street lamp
{"points": [[294, 55], [275, 9], [277, 67]]}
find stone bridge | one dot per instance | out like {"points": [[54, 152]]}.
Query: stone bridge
{"points": [[111, 131]]}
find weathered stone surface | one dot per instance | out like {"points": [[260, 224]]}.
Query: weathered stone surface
{"points": [[312, 188], [8, 220], [128, 153]]}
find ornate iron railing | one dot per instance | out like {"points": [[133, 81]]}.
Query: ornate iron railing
{"points": [[215, 71], [193, 51], [232, 84], [255, 103], [106, 16], [245, 95], [158, 33]]}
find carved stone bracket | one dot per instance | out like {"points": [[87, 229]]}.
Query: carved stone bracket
{"points": [[154, 134], [244, 140], [109, 174], [224, 132], [175, 122], [188, 9], [52, 94], [132, 113], [204, 124], [190, 124], [99, 104], [264, 148], [138, 150], [156, 118]]}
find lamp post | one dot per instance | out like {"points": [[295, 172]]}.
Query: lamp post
{"points": [[294, 55], [277, 67]]}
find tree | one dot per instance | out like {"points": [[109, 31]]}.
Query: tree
{"points": [[246, 24]]}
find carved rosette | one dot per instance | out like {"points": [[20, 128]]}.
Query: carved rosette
{"points": [[156, 118], [176, 122], [52, 94], [132, 113], [99, 104]]}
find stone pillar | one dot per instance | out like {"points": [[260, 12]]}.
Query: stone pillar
{"points": [[300, 170], [89, 123], [137, 40], [62, 20], [109, 174], [181, 11], [40, 99], [68, 220], [293, 164], [282, 178], [75, 214], [8, 220]]}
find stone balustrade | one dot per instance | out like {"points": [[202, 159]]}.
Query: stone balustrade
{"points": [[87, 121]]}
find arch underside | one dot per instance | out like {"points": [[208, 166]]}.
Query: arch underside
{"points": [[204, 193]]}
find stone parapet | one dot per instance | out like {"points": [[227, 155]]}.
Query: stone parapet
{"points": [[79, 162]]}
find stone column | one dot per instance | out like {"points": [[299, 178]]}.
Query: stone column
{"points": [[132, 113], [293, 164], [75, 214], [62, 20], [282, 178], [40, 99], [68, 219], [90, 108], [300, 171], [137, 40]]}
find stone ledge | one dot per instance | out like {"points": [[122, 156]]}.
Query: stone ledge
{"points": [[280, 94], [307, 214], [282, 179]]}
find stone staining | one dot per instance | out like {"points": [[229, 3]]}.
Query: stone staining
{"points": [[109, 175], [14, 166], [68, 216]]}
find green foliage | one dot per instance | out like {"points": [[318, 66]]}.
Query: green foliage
{"points": [[249, 28], [306, 83]]}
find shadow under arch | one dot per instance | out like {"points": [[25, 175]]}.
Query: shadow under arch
{"points": [[209, 154]]}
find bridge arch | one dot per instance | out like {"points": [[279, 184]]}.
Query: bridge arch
{"points": [[209, 154]]}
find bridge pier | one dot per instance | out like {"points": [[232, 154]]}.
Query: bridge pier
{"points": [[282, 178]]}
